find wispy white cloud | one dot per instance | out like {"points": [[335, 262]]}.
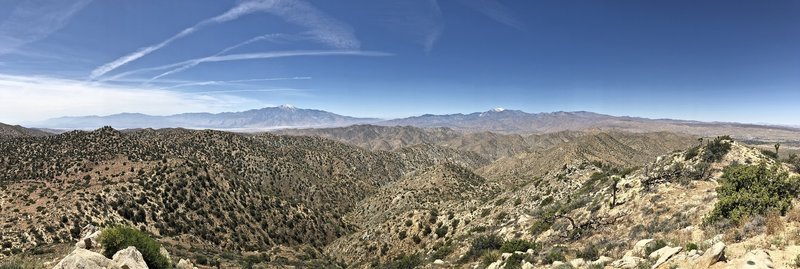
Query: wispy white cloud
{"points": [[108, 67], [255, 90], [29, 99], [230, 82], [320, 25], [421, 20], [267, 37], [496, 11], [276, 38], [34, 20], [251, 56]]}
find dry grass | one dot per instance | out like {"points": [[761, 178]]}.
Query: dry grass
{"points": [[794, 214], [774, 223]]}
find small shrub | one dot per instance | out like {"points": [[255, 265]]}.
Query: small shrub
{"points": [[589, 253], [691, 153], [416, 239], [120, 237], [717, 149], [481, 245], [477, 229], [441, 231], [655, 246], [201, 259], [490, 257], [691, 246], [514, 262], [442, 252], [517, 245], [404, 262]]}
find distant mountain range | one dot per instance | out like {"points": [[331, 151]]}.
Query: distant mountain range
{"points": [[284, 116], [498, 120]]}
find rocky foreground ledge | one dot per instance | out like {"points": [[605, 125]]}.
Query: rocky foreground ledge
{"points": [[713, 257], [87, 255]]}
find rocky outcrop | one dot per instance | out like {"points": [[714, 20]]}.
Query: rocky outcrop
{"points": [[86, 259], [82, 258], [756, 259], [184, 264], [89, 239], [601, 261], [129, 258], [627, 262], [664, 254], [639, 247], [714, 254], [577, 263]]}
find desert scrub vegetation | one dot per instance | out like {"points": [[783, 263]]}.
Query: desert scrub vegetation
{"points": [[481, 245], [517, 245], [404, 261], [717, 148], [753, 190], [117, 238]]}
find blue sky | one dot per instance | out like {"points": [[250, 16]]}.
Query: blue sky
{"points": [[725, 60]]}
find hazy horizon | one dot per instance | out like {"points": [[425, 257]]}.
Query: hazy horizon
{"points": [[723, 61]]}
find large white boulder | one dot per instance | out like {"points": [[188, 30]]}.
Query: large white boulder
{"points": [[129, 258], [639, 247], [185, 264], [714, 254], [85, 259], [665, 254], [756, 259], [627, 262]]}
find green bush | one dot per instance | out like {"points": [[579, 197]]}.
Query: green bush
{"points": [[441, 231], [717, 149], [489, 257], [482, 244], [442, 251], [752, 190], [691, 246], [201, 259], [514, 262], [404, 262], [517, 245], [120, 237], [691, 153]]}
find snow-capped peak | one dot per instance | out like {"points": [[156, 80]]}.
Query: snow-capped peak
{"points": [[499, 109], [287, 106]]}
